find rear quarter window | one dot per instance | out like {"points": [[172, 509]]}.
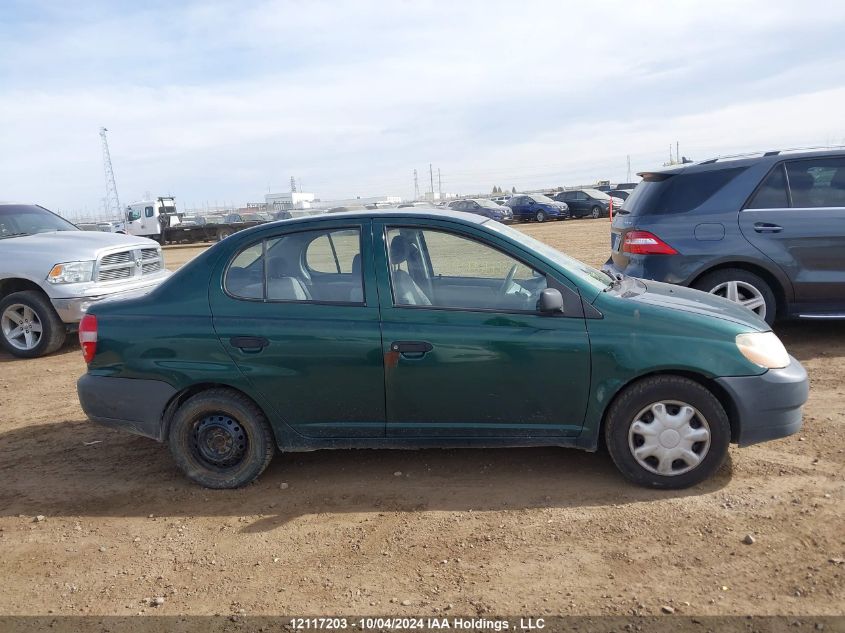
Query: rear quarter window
{"points": [[658, 194]]}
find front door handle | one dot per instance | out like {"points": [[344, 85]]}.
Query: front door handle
{"points": [[767, 227], [411, 349], [249, 343]]}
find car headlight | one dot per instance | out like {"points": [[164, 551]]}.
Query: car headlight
{"points": [[71, 273], [763, 349]]}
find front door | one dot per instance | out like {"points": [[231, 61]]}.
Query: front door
{"points": [[797, 219], [295, 315], [466, 353]]}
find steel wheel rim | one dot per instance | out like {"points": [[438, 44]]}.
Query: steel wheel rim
{"points": [[744, 294], [21, 327], [219, 441], [669, 438]]}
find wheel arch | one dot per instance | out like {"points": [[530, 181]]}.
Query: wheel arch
{"points": [[775, 283], [708, 383], [178, 399], [18, 284]]}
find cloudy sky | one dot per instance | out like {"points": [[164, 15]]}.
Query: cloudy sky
{"points": [[217, 101]]}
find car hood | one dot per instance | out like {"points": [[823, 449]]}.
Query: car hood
{"points": [[72, 245], [685, 299]]}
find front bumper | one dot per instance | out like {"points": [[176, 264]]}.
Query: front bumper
{"points": [[767, 406], [72, 309], [129, 404]]}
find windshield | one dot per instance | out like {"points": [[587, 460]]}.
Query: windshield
{"points": [[598, 195], [595, 278], [19, 219], [538, 197], [489, 204]]}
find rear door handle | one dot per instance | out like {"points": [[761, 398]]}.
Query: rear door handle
{"points": [[411, 349], [249, 343], [766, 227]]}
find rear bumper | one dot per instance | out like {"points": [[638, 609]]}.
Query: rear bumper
{"points": [[767, 406], [132, 405]]}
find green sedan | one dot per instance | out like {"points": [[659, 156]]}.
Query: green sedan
{"points": [[411, 329]]}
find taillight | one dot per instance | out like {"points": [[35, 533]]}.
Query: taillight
{"points": [[646, 243], [88, 337]]}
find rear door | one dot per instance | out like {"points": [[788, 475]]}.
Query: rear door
{"points": [[298, 319], [797, 219]]}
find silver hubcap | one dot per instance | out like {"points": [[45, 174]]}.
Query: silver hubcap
{"points": [[21, 326], [669, 438], [744, 294]]}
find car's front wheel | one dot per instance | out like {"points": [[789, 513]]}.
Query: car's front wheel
{"points": [[667, 432], [220, 439], [29, 326], [742, 287]]}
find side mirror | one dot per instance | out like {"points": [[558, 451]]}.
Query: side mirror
{"points": [[550, 302]]}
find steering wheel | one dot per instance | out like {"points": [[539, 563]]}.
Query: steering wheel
{"points": [[508, 280]]}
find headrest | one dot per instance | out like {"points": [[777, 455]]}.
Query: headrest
{"points": [[838, 180], [356, 264], [400, 248], [801, 181]]}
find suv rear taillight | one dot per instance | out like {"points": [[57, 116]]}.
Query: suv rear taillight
{"points": [[88, 337], [645, 243]]}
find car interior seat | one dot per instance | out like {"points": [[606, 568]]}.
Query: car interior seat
{"points": [[405, 290]]}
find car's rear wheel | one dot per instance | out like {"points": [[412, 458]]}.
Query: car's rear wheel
{"points": [[540, 216], [595, 212], [221, 439], [667, 432], [742, 287], [29, 325], [222, 234]]}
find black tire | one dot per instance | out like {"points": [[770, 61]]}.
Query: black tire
{"points": [[750, 283], [227, 417], [540, 216], [222, 234], [53, 331], [595, 213], [638, 397]]}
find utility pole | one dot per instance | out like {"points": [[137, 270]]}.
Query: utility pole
{"points": [[677, 152], [292, 184], [111, 203], [431, 177], [416, 186], [439, 185], [628, 179]]}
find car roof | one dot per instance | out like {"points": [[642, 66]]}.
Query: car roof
{"points": [[393, 213], [751, 158]]}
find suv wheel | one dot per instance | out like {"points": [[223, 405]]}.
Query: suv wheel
{"points": [[221, 439], [743, 287], [667, 432], [29, 325], [595, 212], [540, 216]]}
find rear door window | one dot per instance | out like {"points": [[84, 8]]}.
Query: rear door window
{"points": [[772, 193], [818, 182]]}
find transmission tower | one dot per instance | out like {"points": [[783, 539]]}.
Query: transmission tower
{"points": [[292, 184], [111, 202]]}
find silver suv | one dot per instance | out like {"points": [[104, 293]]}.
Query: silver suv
{"points": [[50, 272]]}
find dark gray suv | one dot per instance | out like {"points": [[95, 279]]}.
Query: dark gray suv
{"points": [[767, 231]]}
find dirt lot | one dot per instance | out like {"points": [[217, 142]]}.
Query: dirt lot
{"points": [[528, 531]]}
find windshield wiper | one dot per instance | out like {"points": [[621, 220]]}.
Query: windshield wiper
{"points": [[616, 278], [13, 235]]}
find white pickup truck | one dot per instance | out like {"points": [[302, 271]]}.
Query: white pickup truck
{"points": [[50, 272]]}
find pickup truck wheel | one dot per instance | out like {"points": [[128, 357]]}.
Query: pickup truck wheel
{"points": [[29, 325], [222, 234], [743, 287], [667, 432], [220, 439]]}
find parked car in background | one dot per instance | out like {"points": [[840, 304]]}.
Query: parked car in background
{"points": [[345, 208], [51, 273], [501, 199], [587, 202], [87, 226], [457, 331], [483, 207], [537, 207], [766, 231], [622, 194]]}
